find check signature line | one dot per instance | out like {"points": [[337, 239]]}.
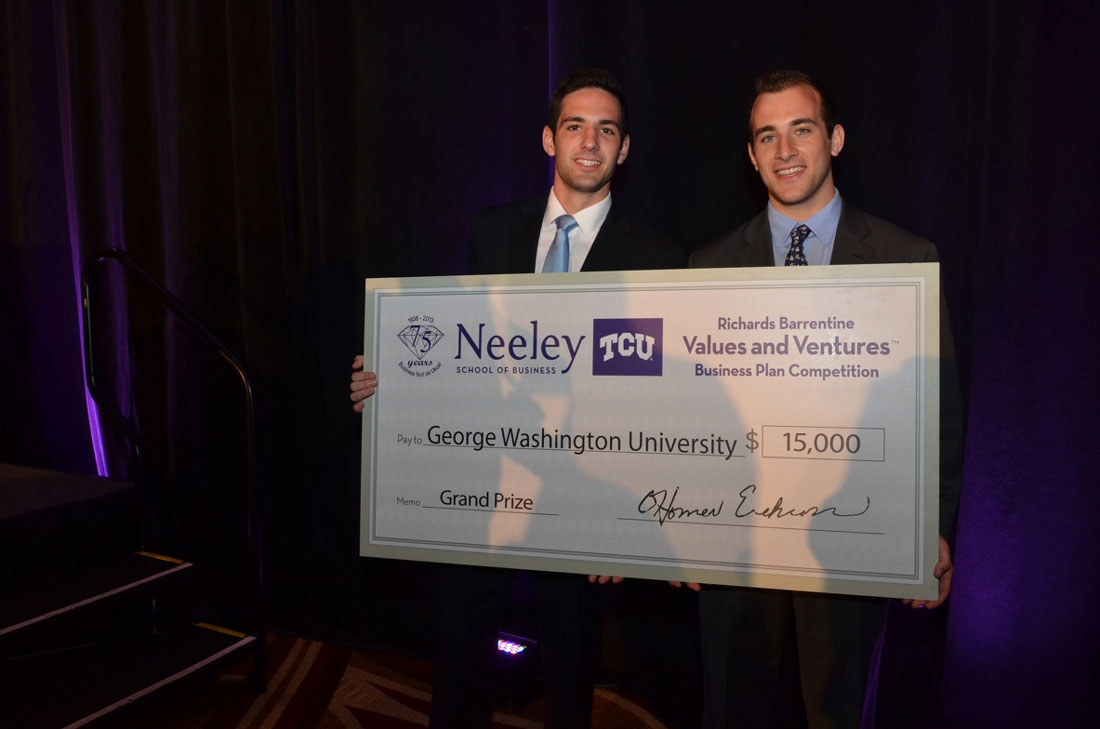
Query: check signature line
{"points": [[752, 526]]}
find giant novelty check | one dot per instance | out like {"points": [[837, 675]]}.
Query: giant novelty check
{"points": [[771, 427]]}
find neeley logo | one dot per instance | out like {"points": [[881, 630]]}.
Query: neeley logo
{"points": [[623, 347], [629, 347], [520, 346], [420, 336]]}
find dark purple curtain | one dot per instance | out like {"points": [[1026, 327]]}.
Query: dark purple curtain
{"points": [[261, 158]]}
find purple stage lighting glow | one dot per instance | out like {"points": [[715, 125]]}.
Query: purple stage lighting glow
{"points": [[510, 647]]}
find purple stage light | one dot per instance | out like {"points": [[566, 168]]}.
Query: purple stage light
{"points": [[507, 646], [513, 645]]}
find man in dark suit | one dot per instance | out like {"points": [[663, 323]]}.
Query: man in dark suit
{"points": [[793, 136], [575, 228]]}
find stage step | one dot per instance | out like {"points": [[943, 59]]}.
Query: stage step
{"points": [[91, 628], [52, 521], [30, 618], [98, 685]]}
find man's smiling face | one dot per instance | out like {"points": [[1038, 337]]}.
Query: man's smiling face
{"points": [[792, 150], [587, 146]]}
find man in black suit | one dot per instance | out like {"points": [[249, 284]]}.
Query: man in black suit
{"points": [[587, 136], [793, 136]]}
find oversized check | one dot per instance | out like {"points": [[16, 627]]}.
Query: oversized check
{"points": [[771, 427]]}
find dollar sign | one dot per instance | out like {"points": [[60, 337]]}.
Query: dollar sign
{"points": [[751, 443]]}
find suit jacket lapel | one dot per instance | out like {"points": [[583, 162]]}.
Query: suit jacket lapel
{"points": [[523, 233], [757, 243], [851, 244], [607, 252]]}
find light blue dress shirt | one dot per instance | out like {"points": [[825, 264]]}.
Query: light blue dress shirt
{"points": [[819, 246]]}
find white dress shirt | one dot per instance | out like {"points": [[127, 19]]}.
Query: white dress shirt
{"points": [[589, 222]]}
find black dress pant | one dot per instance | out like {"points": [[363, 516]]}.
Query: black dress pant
{"points": [[743, 631], [472, 602]]}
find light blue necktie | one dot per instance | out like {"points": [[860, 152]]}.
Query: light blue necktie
{"points": [[557, 258]]}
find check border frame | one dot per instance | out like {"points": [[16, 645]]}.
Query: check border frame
{"points": [[926, 516]]}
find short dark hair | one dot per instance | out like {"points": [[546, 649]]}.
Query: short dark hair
{"points": [[773, 82], [587, 78]]}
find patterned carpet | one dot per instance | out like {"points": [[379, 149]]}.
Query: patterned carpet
{"points": [[316, 685]]}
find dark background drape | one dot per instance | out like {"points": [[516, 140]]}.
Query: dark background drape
{"points": [[261, 158]]}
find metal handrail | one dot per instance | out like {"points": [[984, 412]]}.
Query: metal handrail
{"points": [[254, 521]]}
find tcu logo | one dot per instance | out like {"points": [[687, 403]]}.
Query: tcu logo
{"points": [[626, 344], [627, 347]]}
